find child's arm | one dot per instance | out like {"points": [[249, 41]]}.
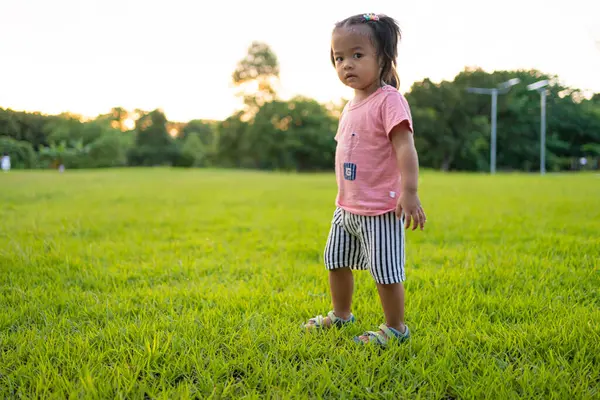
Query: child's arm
{"points": [[408, 162]]}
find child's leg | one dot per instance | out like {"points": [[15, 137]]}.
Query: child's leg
{"points": [[341, 285], [384, 237], [342, 252], [392, 300]]}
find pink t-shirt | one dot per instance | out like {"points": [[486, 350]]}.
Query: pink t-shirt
{"points": [[366, 167]]}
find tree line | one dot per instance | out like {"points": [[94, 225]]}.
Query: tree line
{"points": [[452, 128]]}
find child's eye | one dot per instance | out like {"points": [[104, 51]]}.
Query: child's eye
{"points": [[357, 55], [338, 59]]}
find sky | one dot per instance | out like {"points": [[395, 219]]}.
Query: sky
{"points": [[87, 56]]}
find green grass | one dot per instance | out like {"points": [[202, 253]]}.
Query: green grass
{"points": [[165, 283]]}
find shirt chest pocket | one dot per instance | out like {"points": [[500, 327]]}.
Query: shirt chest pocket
{"points": [[353, 138]]}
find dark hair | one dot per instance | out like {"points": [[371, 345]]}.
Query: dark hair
{"points": [[385, 35]]}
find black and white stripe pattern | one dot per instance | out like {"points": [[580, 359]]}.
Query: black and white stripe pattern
{"points": [[374, 243]]}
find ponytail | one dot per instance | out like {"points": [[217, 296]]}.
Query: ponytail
{"points": [[387, 35], [390, 76]]}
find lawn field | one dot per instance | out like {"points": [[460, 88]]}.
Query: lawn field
{"points": [[165, 283]]}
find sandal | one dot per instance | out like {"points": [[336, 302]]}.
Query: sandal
{"points": [[319, 321], [384, 338]]}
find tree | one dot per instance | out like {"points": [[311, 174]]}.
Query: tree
{"points": [[230, 141], [296, 136], [21, 152], [206, 131], [257, 74], [69, 129], [25, 126], [110, 149], [118, 118], [193, 148], [153, 145], [61, 153], [446, 127]]}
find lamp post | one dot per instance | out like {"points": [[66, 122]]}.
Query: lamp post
{"points": [[540, 87], [500, 89]]}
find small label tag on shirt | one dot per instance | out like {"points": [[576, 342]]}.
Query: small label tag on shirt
{"points": [[392, 194], [349, 171]]}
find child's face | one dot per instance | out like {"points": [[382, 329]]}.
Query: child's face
{"points": [[355, 57]]}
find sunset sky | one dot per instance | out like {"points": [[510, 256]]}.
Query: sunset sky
{"points": [[87, 56]]}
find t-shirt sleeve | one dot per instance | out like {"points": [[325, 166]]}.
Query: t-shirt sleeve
{"points": [[395, 110]]}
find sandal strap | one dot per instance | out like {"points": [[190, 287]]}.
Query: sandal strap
{"points": [[386, 336], [318, 320], [376, 337], [388, 331], [332, 317], [392, 332], [337, 320]]}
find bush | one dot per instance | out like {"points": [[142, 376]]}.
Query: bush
{"points": [[184, 159], [21, 153], [149, 156], [193, 148], [109, 150]]}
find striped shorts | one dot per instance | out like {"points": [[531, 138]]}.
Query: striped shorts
{"points": [[374, 243]]}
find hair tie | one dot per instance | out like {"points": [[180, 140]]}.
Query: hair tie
{"points": [[371, 17]]}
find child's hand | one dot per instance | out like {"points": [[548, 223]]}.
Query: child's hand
{"points": [[409, 203]]}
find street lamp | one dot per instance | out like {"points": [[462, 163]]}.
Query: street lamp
{"points": [[540, 87], [502, 88]]}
